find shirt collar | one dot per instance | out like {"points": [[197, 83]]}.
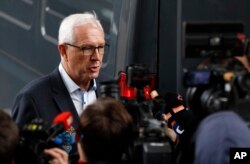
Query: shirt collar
{"points": [[70, 84], [92, 85]]}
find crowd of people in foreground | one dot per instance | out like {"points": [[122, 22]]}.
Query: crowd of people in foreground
{"points": [[105, 130], [106, 135]]}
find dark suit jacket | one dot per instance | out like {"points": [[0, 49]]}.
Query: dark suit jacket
{"points": [[43, 98]]}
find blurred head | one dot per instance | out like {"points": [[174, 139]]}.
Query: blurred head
{"points": [[9, 137], [81, 46], [107, 130]]}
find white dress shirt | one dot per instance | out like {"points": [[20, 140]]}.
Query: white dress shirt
{"points": [[79, 97]]}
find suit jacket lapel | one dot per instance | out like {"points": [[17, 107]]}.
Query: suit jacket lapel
{"points": [[62, 97]]}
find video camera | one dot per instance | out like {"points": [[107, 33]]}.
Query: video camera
{"points": [[219, 80], [38, 135], [151, 144]]}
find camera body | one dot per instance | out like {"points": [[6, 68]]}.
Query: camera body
{"points": [[38, 135], [34, 138], [219, 80]]}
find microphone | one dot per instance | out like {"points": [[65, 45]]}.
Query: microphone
{"points": [[176, 106], [65, 119], [63, 134], [171, 108], [61, 123]]}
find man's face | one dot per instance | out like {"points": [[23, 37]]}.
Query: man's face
{"points": [[79, 64]]}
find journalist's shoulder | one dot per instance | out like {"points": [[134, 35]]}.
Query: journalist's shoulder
{"points": [[216, 134]]}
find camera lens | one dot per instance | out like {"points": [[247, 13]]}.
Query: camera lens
{"points": [[110, 89]]}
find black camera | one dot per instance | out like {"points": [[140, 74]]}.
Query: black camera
{"points": [[219, 80], [38, 135], [151, 144], [34, 138]]}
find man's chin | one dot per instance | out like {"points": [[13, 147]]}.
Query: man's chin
{"points": [[94, 75]]}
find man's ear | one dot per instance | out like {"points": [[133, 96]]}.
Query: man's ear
{"points": [[62, 50]]}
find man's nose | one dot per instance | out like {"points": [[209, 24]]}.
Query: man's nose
{"points": [[96, 54]]}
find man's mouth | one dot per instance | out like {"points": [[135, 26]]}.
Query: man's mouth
{"points": [[94, 68]]}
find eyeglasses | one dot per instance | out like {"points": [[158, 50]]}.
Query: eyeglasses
{"points": [[90, 50]]}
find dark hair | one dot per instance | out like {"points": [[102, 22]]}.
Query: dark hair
{"points": [[107, 130], [9, 137]]}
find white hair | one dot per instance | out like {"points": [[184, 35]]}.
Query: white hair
{"points": [[65, 33]]}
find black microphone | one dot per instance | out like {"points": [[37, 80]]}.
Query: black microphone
{"points": [[172, 109], [176, 106]]}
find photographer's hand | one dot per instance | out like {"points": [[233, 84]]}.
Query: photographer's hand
{"points": [[59, 156], [171, 134]]}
